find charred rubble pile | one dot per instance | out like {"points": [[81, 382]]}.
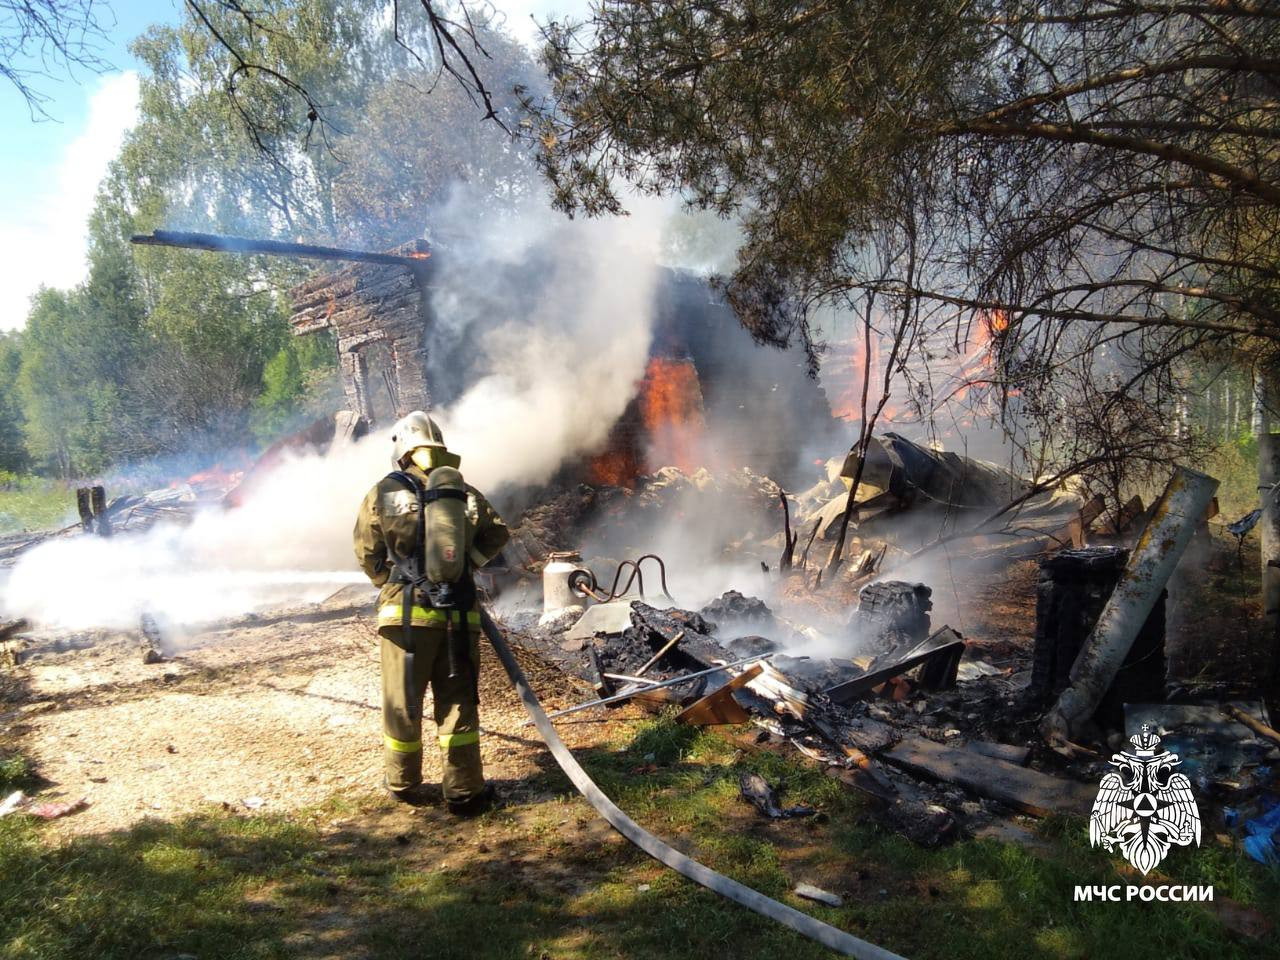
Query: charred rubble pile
{"points": [[726, 664], [946, 736]]}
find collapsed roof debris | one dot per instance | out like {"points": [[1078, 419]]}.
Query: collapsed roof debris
{"points": [[945, 492], [943, 734]]}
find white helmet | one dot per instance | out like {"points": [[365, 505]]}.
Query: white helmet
{"points": [[412, 431]]}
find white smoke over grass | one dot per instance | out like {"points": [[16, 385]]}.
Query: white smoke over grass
{"points": [[548, 369], [289, 542]]}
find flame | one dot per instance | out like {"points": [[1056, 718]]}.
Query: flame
{"points": [[977, 364], [843, 378], [665, 427], [216, 478], [672, 412], [974, 362], [617, 466]]}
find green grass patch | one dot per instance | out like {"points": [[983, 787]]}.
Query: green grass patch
{"points": [[15, 773], [527, 881], [34, 503]]}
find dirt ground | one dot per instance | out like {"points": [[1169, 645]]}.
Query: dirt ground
{"points": [[270, 712], [281, 710]]}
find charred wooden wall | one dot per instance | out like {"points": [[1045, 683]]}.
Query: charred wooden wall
{"points": [[380, 318]]}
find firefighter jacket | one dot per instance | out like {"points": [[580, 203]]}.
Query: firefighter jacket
{"points": [[389, 518]]}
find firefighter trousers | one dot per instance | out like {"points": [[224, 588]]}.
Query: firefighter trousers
{"points": [[457, 714]]}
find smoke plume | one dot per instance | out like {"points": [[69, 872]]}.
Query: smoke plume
{"points": [[542, 328]]}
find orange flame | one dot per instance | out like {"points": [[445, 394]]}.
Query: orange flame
{"points": [[617, 466], [842, 373], [665, 427], [978, 361], [217, 477], [842, 378], [671, 408]]}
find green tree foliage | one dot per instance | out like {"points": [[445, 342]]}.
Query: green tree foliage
{"points": [[74, 382], [161, 349], [82, 353], [391, 142], [1025, 141], [415, 140], [1094, 185], [13, 447], [296, 386]]}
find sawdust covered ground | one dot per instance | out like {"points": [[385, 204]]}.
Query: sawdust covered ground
{"points": [[274, 712]]}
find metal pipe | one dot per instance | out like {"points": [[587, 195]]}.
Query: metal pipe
{"points": [[1180, 508], [625, 678], [223, 244]]}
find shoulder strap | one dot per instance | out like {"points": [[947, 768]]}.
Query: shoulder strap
{"points": [[408, 479], [444, 494]]}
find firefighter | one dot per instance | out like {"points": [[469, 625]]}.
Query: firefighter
{"points": [[420, 533]]}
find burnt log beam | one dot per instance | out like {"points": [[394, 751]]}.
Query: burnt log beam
{"points": [[222, 244], [1168, 532]]}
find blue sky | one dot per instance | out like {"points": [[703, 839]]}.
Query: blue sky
{"points": [[50, 170]]}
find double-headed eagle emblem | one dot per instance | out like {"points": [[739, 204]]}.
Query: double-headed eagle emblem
{"points": [[1144, 807]]}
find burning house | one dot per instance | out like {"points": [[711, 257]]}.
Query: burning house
{"points": [[891, 669], [708, 397], [379, 315]]}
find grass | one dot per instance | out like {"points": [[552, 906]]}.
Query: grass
{"points": [[533, 880], [15, 773], [34, 503], [1235, 464]]}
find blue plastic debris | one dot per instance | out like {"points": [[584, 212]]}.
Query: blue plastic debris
{"points": [[1230, 816], [1260, 833], [1246, 523]]}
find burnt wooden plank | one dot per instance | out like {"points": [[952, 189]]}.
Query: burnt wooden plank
{"points": [[1027, 790], [1001, 751], [858, 687], [719, 707]]}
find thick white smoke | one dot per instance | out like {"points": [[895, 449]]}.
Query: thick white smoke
{"points": [[562, 350], [290, 541]]}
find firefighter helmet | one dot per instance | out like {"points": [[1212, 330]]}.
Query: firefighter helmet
{"points": [[412, 431]]}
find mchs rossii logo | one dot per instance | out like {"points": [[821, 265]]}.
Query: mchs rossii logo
{"points": [[1143, 809]]}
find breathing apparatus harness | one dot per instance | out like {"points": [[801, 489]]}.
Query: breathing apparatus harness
{"points": [[454, 598]]}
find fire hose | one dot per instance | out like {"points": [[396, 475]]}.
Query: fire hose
{"points": [[802, 923]]}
